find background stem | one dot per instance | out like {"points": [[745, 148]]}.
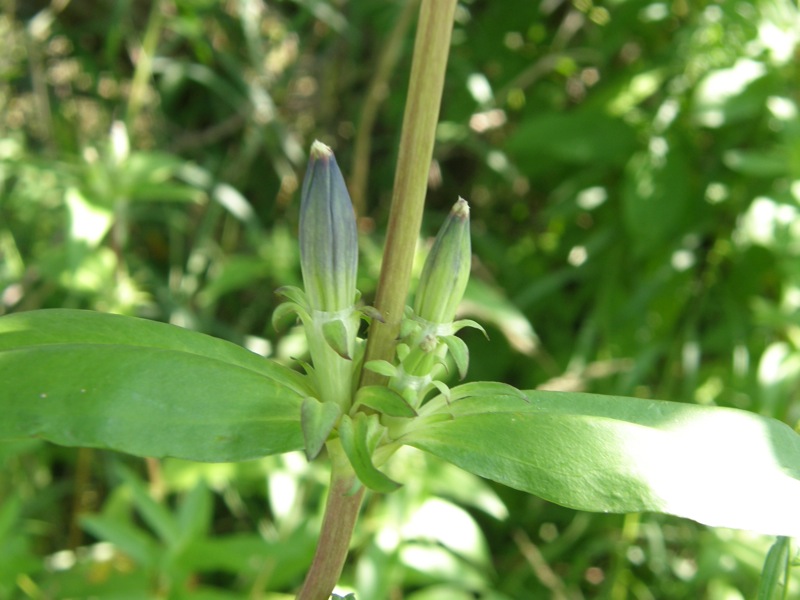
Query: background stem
{"points": [[431, 49], [376, 94]]}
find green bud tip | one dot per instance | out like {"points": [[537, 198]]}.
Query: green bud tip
{"points": [[328, 237], [446, 272]]}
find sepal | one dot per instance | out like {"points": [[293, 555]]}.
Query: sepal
{"points": [[460, 353], [285, 309], [370, 313], [381, 367], [317, 420], [486, 388], [293, 294], [462, 323], [336, 335]]}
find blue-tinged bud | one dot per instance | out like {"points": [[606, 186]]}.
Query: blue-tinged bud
{"points": [[328, 237], [446, 271]]}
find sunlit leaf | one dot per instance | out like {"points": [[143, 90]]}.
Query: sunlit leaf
{"points": [[719, 466]]}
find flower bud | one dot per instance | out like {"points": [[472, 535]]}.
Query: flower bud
{"points": [[328, 237], [446, 271]]}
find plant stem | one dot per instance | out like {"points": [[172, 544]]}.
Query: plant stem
{"points": [[431, 48], [341, 512]]}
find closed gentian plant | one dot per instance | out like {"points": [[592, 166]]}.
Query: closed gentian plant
{"points": [[82, 378]]}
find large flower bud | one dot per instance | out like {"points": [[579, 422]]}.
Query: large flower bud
{"points": [[446, 271], [328, 237]]}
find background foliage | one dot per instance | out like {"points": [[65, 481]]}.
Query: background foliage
{"points": [[634, 175]]}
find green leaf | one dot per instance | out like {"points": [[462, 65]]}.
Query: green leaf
{"points": [[130, 540], [80, 378], [359, 437], [585, 136], [156, 515], [317, 419], [719, 466], [247, 553], [384, 400], [657, 199], [771, 585], [381, 367], [194, 514]]}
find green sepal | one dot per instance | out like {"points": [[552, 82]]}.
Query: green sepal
{"points": [[370, 313], [381, 367], [494, 389], [486, 388], [336, 336], [359, 437], [444, 390], [308, 369], [462, 323], [293, 294], [402, 351], [411, 396], [317, 420], [384, 400], [458, 349], [408, 325], [284, 309]]}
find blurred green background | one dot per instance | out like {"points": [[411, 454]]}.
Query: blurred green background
{"points": [[633, 169]]}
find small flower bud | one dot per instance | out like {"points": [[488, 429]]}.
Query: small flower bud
{"points": [[328, 237], [446, 271]]}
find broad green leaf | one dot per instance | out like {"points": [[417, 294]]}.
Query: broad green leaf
{"points": [[719, 466], [359, 437], [317, 420], [81, 378]]}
